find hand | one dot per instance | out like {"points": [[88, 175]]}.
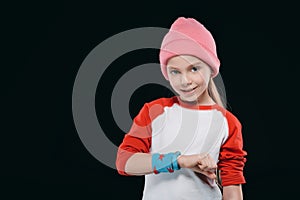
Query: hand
{"points": [[201, 163]]}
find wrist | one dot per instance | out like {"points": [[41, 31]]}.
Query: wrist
{"points": [[165, 162], [180, 161], [175, 164]]}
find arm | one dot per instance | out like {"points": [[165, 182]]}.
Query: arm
{"points": [[141, 164], [232, 160], [133, 156], [232, 192], [201, 163]]}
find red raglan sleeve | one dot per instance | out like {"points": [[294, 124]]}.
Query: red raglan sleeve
{"points": [[232, 156], [138, 139]]}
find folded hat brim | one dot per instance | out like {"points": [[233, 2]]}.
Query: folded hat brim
{"points": [[180, 44]]}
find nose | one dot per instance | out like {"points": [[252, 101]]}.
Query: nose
{"points": [[186, 80]]}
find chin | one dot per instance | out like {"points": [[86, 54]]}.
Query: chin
{"points": [[189, 99]]}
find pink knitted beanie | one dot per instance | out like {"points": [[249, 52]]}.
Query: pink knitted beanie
{"points": [[189, 37]]}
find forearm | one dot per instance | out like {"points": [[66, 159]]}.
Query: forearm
{"points": [[232, 192], [139, 164]]}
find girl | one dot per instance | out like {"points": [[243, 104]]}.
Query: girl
{"points": [[179, 143]]}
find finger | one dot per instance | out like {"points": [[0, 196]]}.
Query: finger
{"points": [[207, 168], [211, 163], [203, 161], [204, 164], [208, 164], [210, 175], [202, 167], [202, 157]]}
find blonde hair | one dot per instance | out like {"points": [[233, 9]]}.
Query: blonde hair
{"points": [[214, 93]]}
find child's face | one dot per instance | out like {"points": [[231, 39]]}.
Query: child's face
{"points": [[188, 76]]}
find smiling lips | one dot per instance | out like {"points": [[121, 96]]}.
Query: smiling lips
{"points": [[189, 91]]}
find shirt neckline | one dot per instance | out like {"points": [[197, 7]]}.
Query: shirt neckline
{"points": [[194, 107]]}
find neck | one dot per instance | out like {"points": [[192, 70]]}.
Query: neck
{"points": [[205, 99]]}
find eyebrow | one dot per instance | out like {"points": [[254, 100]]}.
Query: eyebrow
{"points": [[191, 65]]}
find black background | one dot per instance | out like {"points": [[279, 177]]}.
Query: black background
{"points": [[44, 44]]}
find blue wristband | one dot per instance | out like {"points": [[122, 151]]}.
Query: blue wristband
{"points": [[174, 160], [165, 162]]}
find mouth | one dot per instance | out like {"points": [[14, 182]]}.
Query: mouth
{"points": [[188, 91]]}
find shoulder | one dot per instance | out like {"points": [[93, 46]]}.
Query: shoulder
{"points": [[231, 118], [164, 102], [154, 108]]}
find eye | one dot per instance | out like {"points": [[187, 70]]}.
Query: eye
{"points": [[195, 68], [173, 71]]}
